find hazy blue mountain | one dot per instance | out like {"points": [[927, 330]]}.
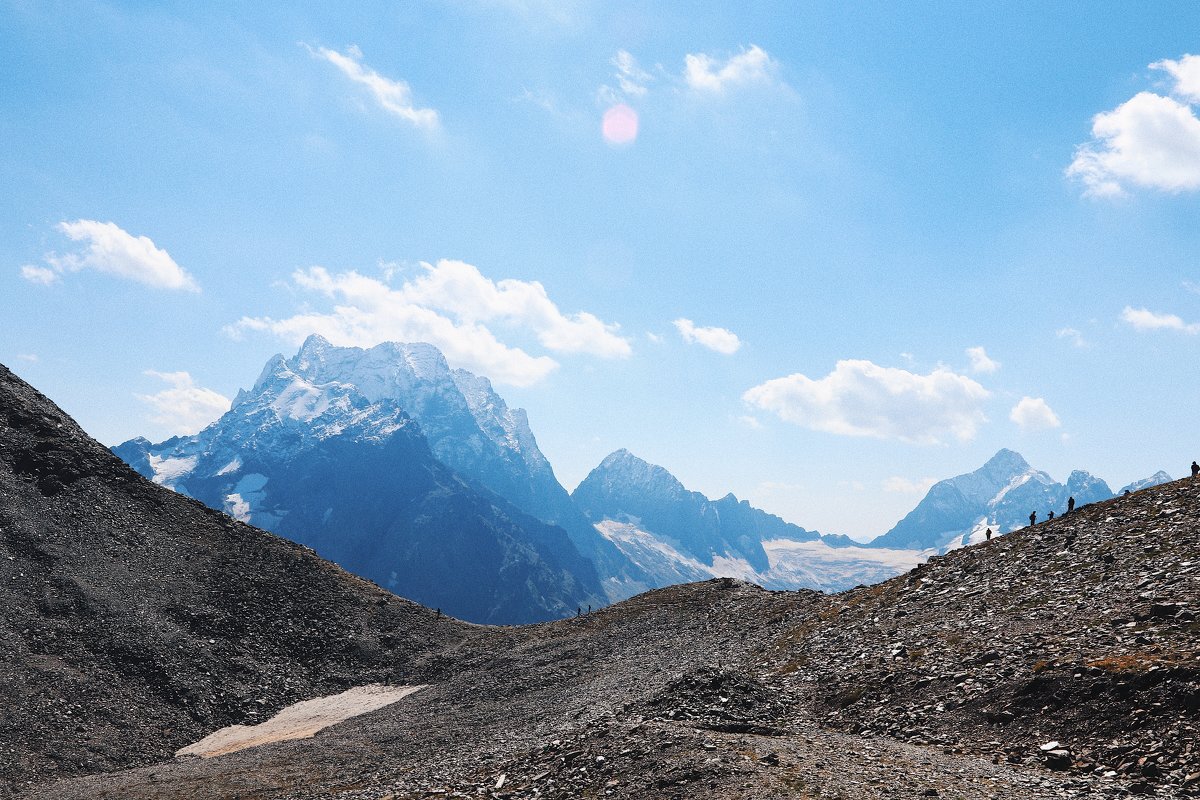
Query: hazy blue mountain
{"points": [[311, 454], [1156, 479], [1001, 495], [677, 535], [472, 430]]}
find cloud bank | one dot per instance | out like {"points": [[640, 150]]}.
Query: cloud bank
{"points": [[1143, 319], [859, 398], [107, 248], [183, 408], [1151, 141], [450, 305], [1034, 414]]}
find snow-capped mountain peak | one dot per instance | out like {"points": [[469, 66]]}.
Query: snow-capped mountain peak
{"points": [[999, 495]]}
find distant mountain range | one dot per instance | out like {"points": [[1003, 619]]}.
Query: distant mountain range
{"points": [[999, 495], [677, 535], [421, 478]]}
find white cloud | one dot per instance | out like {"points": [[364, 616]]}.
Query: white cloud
{"points": [[1186, 72], [43, 275], [183, 408], [1145, 320], [704, 73], [32, 358], [393, 96], [630, 77], [447, 306], [860, 398], [898, 485], [1033, 414], [980, 361], [1150, 140], [1073, 336], [111, 250], [1192, 287], [719, 340]]}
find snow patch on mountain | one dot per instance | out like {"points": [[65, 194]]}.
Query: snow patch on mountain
{"points": [[793, 564]]}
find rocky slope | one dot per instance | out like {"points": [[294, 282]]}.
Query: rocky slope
{"points": [[1056, 662], [1000, 495], [310, 455], [136, 619]]}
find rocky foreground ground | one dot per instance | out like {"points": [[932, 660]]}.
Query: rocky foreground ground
{"points": [[1058, 661]]}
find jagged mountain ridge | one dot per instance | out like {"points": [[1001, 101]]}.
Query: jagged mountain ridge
{"points": [[351, 474], [470, 428], [1001, 494], [678, 535]]}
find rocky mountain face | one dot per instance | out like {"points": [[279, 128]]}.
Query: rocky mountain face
{"points": [[470, 429], [676, 535], [323, 450], [1055, 662], [999, 495], [136, 620]]}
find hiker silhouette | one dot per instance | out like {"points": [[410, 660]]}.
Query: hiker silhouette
{"points": [[1032, 518], [1195, 469], [988, 534], [1070, 504], [1051, 514]]}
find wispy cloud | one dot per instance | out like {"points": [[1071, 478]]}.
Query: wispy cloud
{"points": [[1150, 140], [450, 305], [706, 74], [1143, 319], [980, 362], [1073, 336], [392, 95], [631, 78], [183, 407], [860, 398], [109, 249], [1033, 414], [719, 340]]}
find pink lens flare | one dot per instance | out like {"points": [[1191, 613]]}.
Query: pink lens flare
{"points": [[620, 124]]}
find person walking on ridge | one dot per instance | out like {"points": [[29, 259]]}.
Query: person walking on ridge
{"points": [[1070, 504], [1051, 514], [1195, 469], [988, 534], [1032, 518]]}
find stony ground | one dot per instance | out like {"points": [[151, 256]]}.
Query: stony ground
{"points": [[1060, 661]]}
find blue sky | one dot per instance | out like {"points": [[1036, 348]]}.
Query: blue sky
{"points": [[773, 277]]}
